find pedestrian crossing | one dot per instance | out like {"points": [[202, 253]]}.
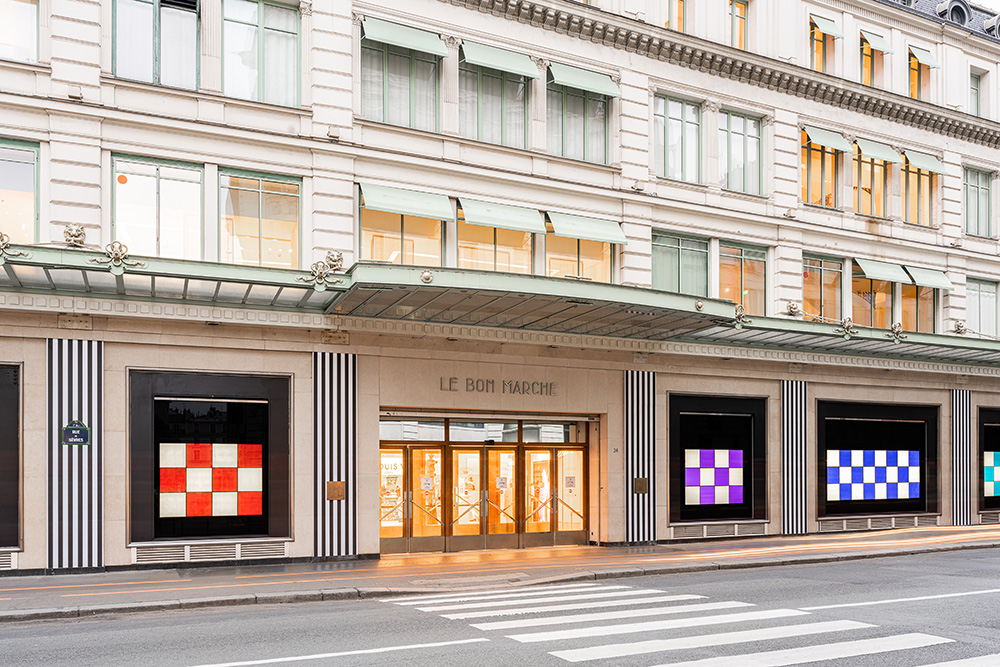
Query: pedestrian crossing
{"points": [[592, 623]]}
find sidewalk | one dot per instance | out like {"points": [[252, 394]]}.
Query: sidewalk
{"points": [[75, 595]]}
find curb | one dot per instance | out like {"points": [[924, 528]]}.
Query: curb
{"points": [[325, 595]]}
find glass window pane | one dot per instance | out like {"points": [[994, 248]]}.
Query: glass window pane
{"points": [[280, 67], [861, 291], [475, 247], [666, 267], [17, 197], [381, 236], [425, 95], [425, 431], [133, 40], [831, 295], [492, 109], [180, 219], [560, 256], [694, 272], [398, 111], [659, 143], [19, 30], [973, 305], [575, 109], [241, 10], [692, 149], [554, 122], [753, 287], [281, 18], [597, 130], [753, 166], [675, 167], [241, 226], [988, 309], [730, 278], [515, 115], [135, 211], [812, 291], [513, 251], [178, 48], [371, 84], [481, 432], [240, 57], [468, 103], [421, 241], [279, 231], [595, 260], [882, 304]]}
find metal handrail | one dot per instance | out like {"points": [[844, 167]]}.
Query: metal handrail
{"points": [[570, 508]]}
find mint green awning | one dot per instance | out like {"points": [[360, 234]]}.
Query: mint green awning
{"points": [[929, 278], [876, 41], [574, 77], [504, 216], [882, 271], [873, 149], [406, 202], [404, 36], [827, 138], [588, 229], [826, 26], [924, 57], [501, 59], [925, 162]]}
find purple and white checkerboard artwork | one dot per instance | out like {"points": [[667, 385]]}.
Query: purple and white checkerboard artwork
{"points": [[713, 476]]}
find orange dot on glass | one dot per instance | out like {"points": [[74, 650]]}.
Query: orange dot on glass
{"points": [[123, 179]]}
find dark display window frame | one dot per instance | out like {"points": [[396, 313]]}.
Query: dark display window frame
{"points": [[145, 388], [989, 430], [714, 408], [888, 414], [10, 457]]}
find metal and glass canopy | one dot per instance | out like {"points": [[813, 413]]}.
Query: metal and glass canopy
{"points": [[459, 297]]}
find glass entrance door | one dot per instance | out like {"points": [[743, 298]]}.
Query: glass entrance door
{"points": [[501, 499], [411, 512], [538, 505], [467, 500], [571, 519]]}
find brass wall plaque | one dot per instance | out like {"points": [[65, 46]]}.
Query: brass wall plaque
{"points": [[640, 485], [336, 490]]}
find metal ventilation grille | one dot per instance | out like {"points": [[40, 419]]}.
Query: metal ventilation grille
{"points": [[212, 552], [159, 554], [831, 526], [7, 560], [927, 521], [751, 529], [716, 530], [881, 523], [685, 532], [176, 553], [856, 524], [263, 550], [992, 518]]}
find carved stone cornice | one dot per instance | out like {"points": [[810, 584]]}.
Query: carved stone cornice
{"points": [[620, 32]]}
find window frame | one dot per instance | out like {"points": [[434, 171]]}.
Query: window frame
{"points": [[579, 262], [744, 248], [817, 43], [678, 19], [263, 176], [874, 164], [413, 55], [984, 186], [38, 39], [158, 162], [856, 275], [823, 270], [976, 94], [157, 45], [260, 51], [810, 148], [916, 83], [916, 302], [739, 24], [657, 240], [587, 95], [868, 62], [979, 309], [504, 103], [746, 152], [402, 239], [664, 168], [18, 144], [460, 221], [925, 187]]}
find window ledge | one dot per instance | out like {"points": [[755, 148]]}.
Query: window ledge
{"points": [[816, 207], [38, 68], [749, 196], [107, 79]]}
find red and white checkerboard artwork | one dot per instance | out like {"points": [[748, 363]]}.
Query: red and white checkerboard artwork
{"points": [[219, 479]]}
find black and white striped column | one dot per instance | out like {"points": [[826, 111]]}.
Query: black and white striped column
{"points": [[640, 440], [76, 393], [961, 457], [335, 390], [793, 457]]}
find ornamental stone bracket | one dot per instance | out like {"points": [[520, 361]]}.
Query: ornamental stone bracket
{"points": [[741, 319], [117, 258], [896, 333], [846, 328], [322, 271], [7, 251]]}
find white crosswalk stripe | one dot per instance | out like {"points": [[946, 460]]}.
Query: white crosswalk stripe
{"points": [[991, 660], [677, 623]]}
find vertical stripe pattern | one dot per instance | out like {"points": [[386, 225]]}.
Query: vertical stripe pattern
{"points": [[75, 392], [961, 461], [640, 438], [793, 457], [335, 389]]}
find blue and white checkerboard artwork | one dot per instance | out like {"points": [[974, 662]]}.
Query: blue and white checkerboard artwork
{"points": [[991, 474], [872, 474]]}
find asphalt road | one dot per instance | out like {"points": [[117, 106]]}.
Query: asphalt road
{"points": [[912, 610]]}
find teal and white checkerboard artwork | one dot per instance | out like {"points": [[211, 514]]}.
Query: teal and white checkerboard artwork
{"points": [[991, 474]]}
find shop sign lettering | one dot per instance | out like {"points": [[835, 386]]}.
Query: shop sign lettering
{"points": [[489, 386]]}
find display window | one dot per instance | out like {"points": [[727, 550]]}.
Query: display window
{"points": [[10, 458], [717, 458], [206, 466], [876, 458], [989, 457]]}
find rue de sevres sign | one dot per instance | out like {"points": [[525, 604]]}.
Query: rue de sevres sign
{"points": [[492, 386]]}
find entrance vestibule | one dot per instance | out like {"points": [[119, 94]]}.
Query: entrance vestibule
{"points": [[449, 485]]}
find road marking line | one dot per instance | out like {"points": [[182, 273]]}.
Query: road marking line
{"points": [[609, 615], [116, 583], [558, 598], [607, 630], [705, 641], [893, 601], [568, 607], [820, 652], [493, 595], [319, 656], [982, 661]]}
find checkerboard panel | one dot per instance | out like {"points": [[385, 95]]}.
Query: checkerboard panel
{"points": [[220, 479], [713, 476], [991, 474], [872, 474]]}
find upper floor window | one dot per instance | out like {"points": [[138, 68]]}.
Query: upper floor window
{"points": [[871, 177], [402, 226], [678, 139], [157, 41], [918, 308], [742, 273], [873, 47], [738, 29], [822, 33], [675, 15], [820, 156], [493, 95], [921, 62], [260, 52], [399, 75], [497, 237], [918, 188], [822, 290], [872, 295], [975, 94], [19, 30], [19, 191], [977, 202], [580, 247], [260, 220], [680, 264], [981, 307], [739, 152], [157, 208], [577, 104]]}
